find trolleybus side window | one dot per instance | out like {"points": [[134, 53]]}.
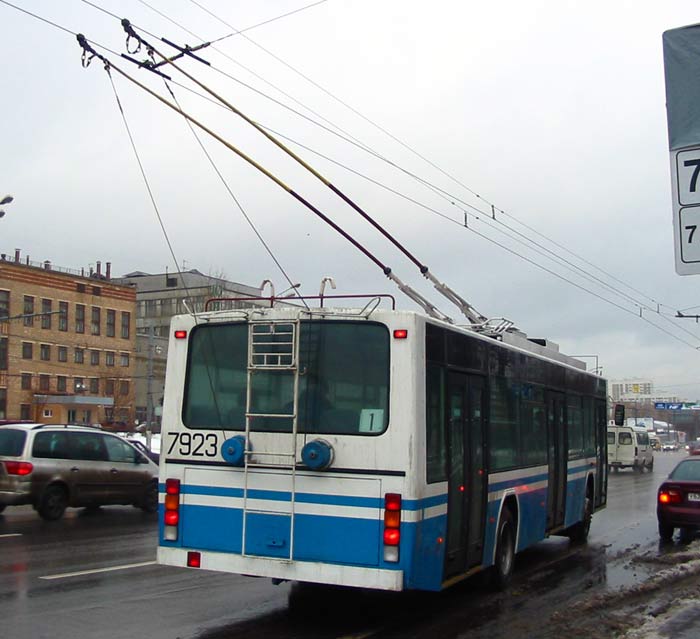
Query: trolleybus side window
{"points": [[343, 380], [504, 430], [436, 447], [533, 426], [575, 426]]}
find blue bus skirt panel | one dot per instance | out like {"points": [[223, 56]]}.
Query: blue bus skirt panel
{"points": [[575, 498], [427, 543]]}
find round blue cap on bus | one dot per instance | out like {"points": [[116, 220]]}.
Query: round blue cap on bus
{"points": [[233, 450], [317, 454]]}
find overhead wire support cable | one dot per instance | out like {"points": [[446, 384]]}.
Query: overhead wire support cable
{"points": [[73, 33], [413, 151], [467, 310], [233, 196], [89, 53]]}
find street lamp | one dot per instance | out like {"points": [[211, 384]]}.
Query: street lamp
{"points": [[6, 200]]}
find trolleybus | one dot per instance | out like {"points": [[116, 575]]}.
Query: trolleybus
{"points": [[371, 447]]}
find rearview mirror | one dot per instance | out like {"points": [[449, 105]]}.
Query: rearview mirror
{"points": [[619, 414]]}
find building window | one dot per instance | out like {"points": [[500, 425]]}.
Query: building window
{"points": [[72, 413], [123, 387], [109, 358], [151, 308], [28, 310], [44, 382], [126, 321], [48, 412], [80, 287], [97, 290], [45, 352], [94, 385], [124, 359], [95, 323], [27, 350], [78, 385], [63, 316], [109, 387], [111, 322], [25, 412], [3, 353], [3, 403], [62, 354], [4, 303], [61, 383], [80, 318], [45, 313], [94, 358], [26, 381], [79, 355]]}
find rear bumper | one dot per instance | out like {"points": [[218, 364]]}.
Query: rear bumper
{"points": [[314, 572], [12, 498], [679, 517]]}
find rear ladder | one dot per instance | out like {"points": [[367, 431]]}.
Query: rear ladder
{"points": [[272, 346]]}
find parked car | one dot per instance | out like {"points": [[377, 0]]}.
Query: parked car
{"points": [[54, 466], [137, 443], [678, 500]]}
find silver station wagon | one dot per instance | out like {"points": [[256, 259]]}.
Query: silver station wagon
{"points": [[54, 466]]}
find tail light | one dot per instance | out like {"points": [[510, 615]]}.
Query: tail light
{"points": [[171, 513], [18, 468], [670, 496], [392, 526]]}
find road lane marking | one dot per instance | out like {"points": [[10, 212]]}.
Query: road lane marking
{"points": [[98, 570], [11, 535]]}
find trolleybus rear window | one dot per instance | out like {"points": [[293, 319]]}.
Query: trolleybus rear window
{"points": [[343, 380]]}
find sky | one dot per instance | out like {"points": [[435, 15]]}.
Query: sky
{"points": [[424, 114]]}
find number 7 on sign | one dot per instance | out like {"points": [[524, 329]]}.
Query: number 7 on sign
{"points": [[694, 178]]}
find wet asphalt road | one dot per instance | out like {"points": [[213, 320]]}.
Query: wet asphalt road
{"points": [[93, 574]]}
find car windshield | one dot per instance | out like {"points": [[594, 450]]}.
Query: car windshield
{"points": [[687, 470], [12, 442]]}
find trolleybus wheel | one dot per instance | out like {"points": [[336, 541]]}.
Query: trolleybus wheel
{"points": [[578, 533], [505, 551]]}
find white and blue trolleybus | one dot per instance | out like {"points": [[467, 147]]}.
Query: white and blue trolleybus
{"points": [[371, 447]]}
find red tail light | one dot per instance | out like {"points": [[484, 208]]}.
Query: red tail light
{"points": [[392, 501], [194, 559], [392, 526], [18, 468], [670, 497], [180, 334], [171, 513]]}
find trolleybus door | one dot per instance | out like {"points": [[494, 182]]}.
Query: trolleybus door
{"points": [[601, 447], [467, 477], [556, 435]]}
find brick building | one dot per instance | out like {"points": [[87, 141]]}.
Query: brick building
{"points": [[67, 344]]}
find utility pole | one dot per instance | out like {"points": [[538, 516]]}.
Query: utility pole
{"points": [[149, 389]]}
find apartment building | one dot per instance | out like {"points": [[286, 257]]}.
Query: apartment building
{"points": [[624, 389], [67, 344], [159, 296]]}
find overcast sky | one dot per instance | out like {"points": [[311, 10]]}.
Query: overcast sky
{"points": [[554, 112]]}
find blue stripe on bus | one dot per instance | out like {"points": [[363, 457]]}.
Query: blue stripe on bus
{"points": [[310, 498]]}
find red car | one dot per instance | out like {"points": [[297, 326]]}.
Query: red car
{"points": [[678, 500]]}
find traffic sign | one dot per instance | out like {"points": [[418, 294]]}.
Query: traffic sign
{"points": [[682, 67], [685, 169]]}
